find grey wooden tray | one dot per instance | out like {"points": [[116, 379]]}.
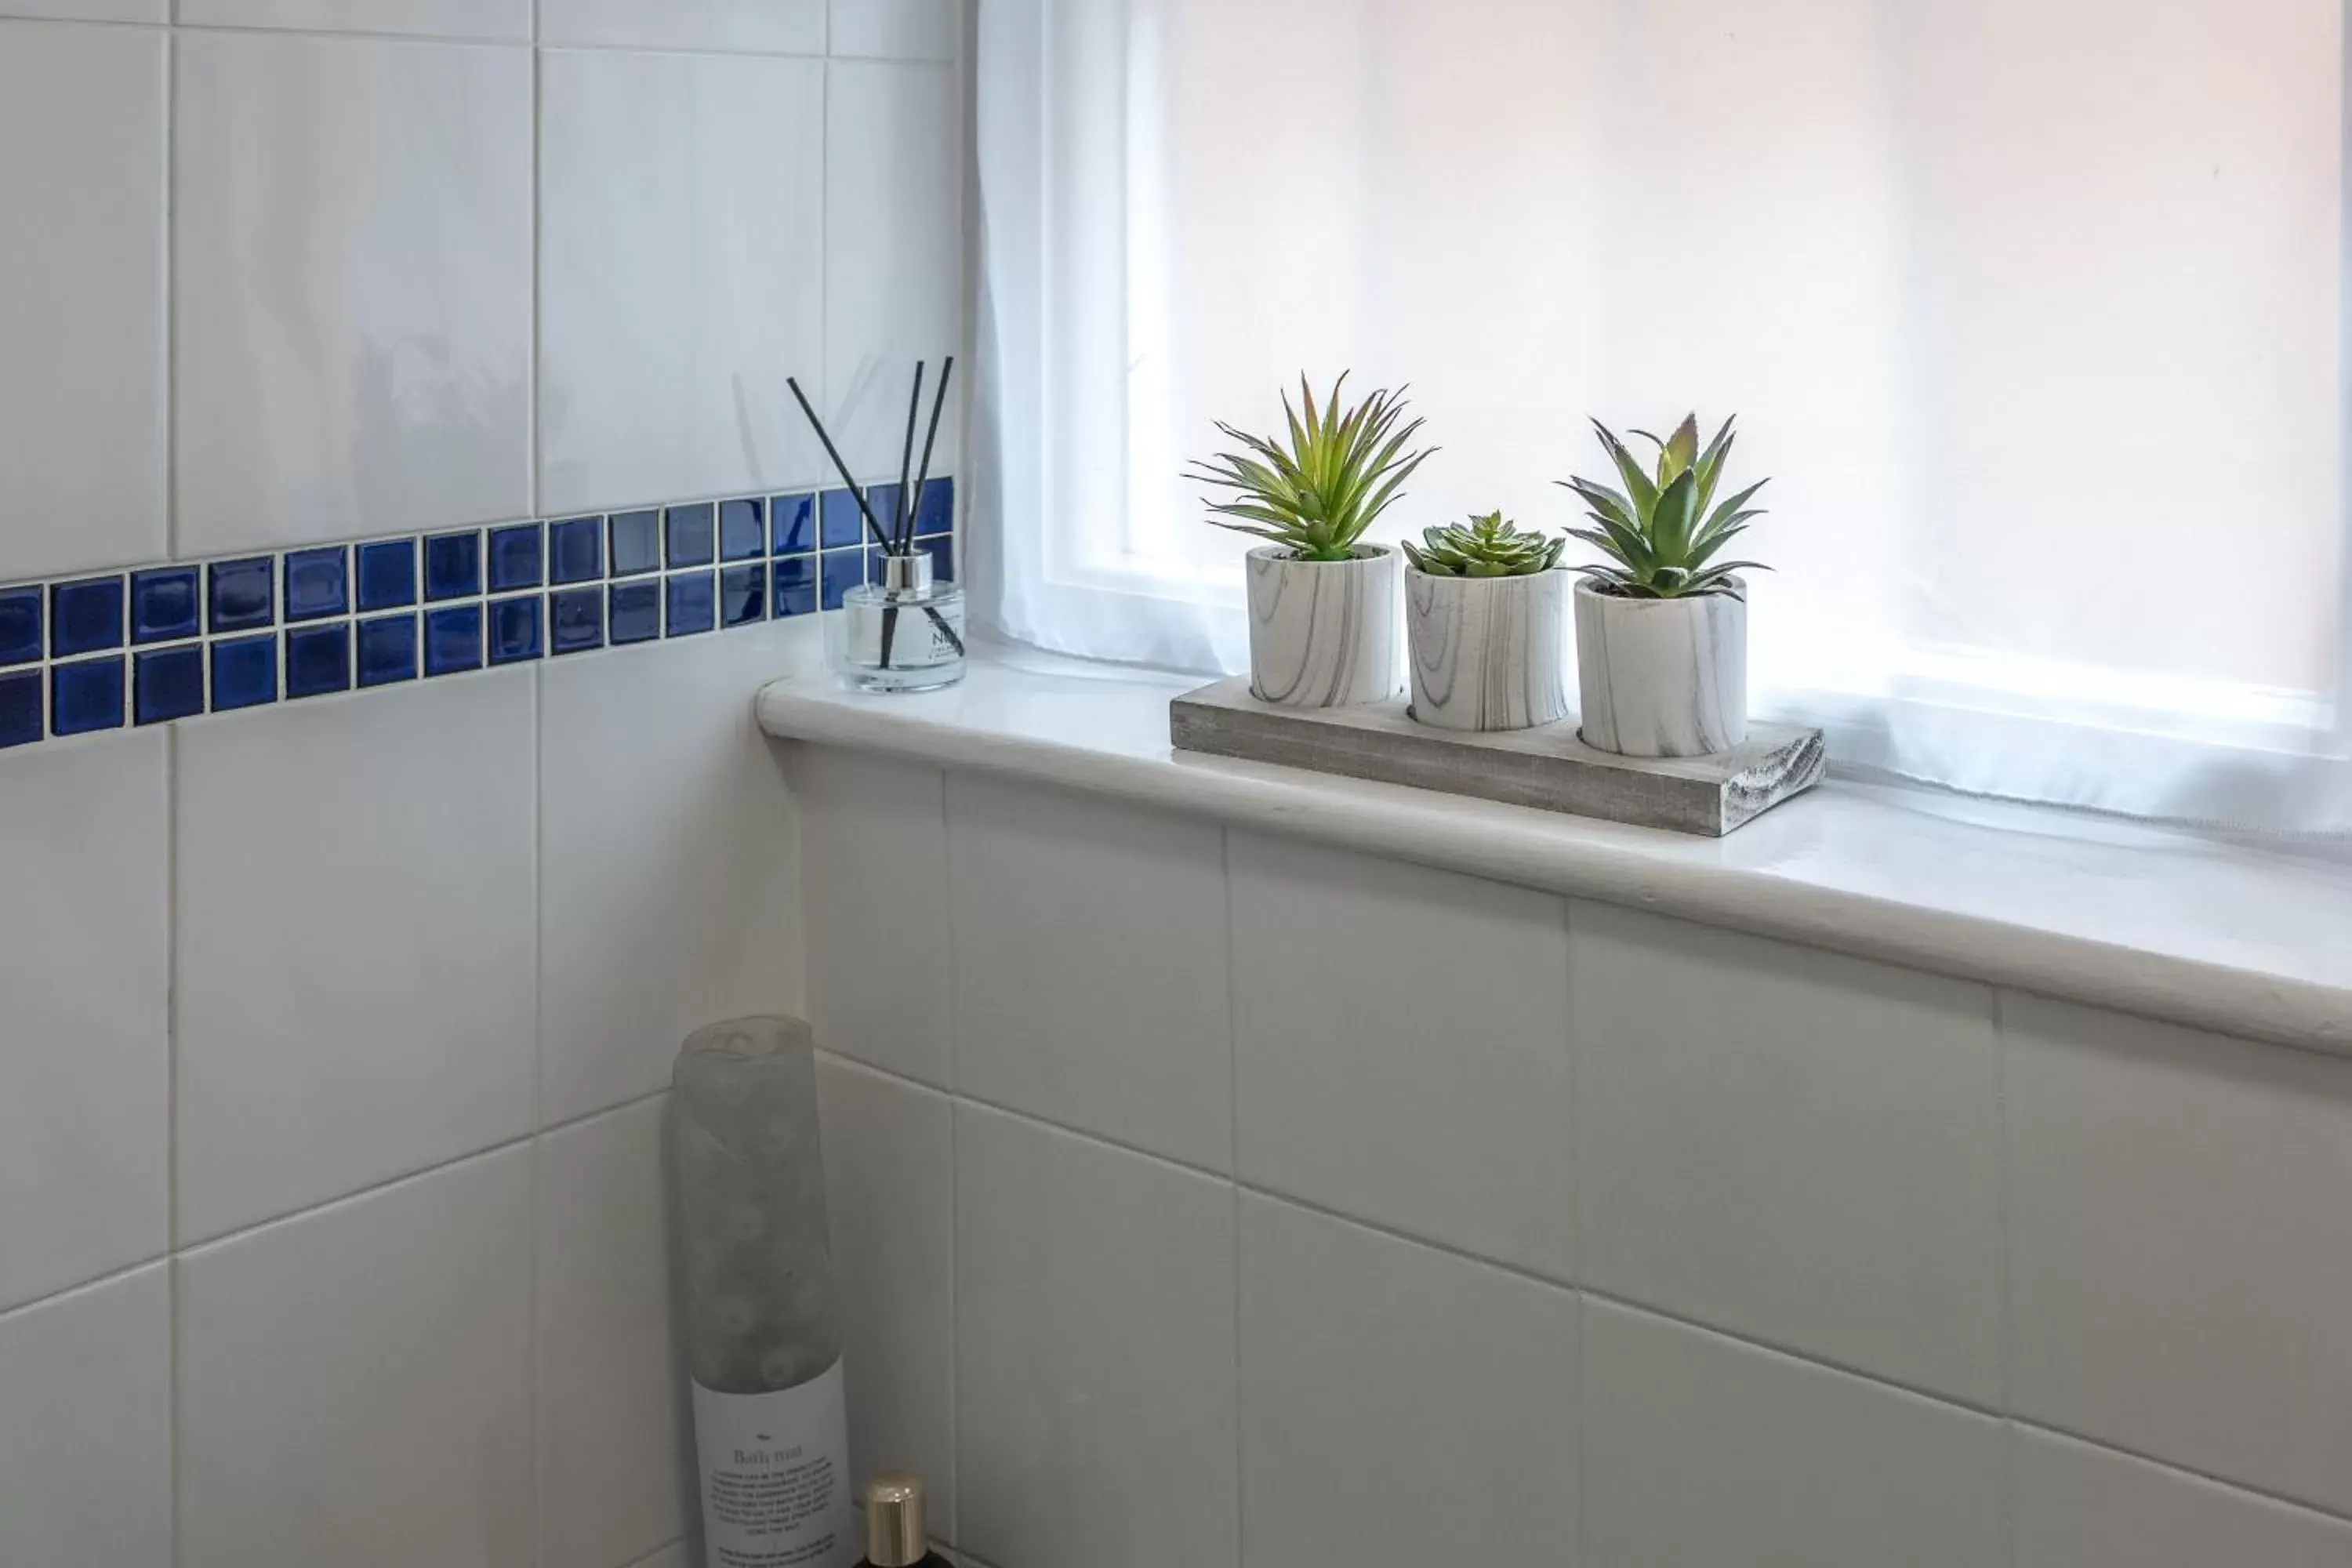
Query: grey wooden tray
{"points": [[1547, 767]]}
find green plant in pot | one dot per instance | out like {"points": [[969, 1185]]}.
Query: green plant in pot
{"points": [[1662, 618], [1484, 613], [1322, 603]]}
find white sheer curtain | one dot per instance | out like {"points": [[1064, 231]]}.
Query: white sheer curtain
{"points": [[2032, 312]]}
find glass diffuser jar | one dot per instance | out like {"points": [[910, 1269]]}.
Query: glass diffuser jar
{"points": [[902, 633]]}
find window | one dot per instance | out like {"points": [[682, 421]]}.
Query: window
{"points": [[2033, 312]]}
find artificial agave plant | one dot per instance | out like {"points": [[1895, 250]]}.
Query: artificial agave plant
{"points": [[1340, 470], [1488, 546], [1663, 533]]}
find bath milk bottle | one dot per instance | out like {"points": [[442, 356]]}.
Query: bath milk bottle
{"points": [[762, 1336]]}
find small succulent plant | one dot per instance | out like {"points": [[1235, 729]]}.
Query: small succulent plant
{"points": [[1338, 472], [1488, 546], [1662, 533]]}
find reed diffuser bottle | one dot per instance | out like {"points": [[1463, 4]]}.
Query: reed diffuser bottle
{"points": [[904, 633]]}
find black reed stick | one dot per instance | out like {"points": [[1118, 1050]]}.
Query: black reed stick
{"points": [[923, 478], [817, 424], [898, 531]]}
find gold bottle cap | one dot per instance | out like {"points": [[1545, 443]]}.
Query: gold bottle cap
{"points": [[894, 1536]]}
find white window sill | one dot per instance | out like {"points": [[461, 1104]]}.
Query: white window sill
{"points": [[2141, 920]]}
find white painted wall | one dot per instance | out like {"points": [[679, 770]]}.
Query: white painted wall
{"points": [[332, 1036], [1220, 1200]]}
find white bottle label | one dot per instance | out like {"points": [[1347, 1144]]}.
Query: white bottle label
{"points": [[775, 1477]]}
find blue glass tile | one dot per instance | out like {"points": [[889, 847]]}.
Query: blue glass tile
{"points": [[244, 673], [874, 573], [85, 616], [743, 595], [453, 640], [387, 651], [796, 587], [453, 565], [942, 554], [317, 660], [167, 684], [86, 696], [742, 530], [242, 594], [637, 612], [164, 604], [20, 626], [575, 550], [388, 575], [935, 513], [514, 630], [514, 558], [690, 534], [791, 524], [636, 542], [317, 583], [20, 708], [884, 499], [692, 605], [843, 524], [575, 620], [843, 569]]}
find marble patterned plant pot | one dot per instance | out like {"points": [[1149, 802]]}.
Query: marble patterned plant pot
{"points": [[1486, 651], [1662, 678], [1322, 633]]}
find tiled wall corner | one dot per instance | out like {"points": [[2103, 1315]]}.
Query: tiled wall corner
{"points": [[403, 505], [1869, 1266], [669, 895]]}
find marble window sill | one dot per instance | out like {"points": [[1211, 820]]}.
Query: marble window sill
{"points": [[2141, 920]]}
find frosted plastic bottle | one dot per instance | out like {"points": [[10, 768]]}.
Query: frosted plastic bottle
{"points": [[756, 1297]]}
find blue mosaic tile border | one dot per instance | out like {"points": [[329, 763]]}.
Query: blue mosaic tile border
{"points": [[114, 650]]}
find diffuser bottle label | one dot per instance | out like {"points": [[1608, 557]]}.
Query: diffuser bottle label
{"points": [[775, 1476]]}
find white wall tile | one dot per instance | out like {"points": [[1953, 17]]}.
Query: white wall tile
{"points": [[1698, 1449], [501, 19], [897, 29], [874, 904], [355, 935], [2181, 1245], [2081, 1507], [1095, 1344], [85, 971], [1428, 1094], [889, 1182], [616, 1430], [362, 1374], [352, 233], [90, 10], [668, 898], [1090, 984], [679, 273], [81, 295], [1399, 1406], [778, 26], [893, 255], [1798, 1147], [86, 1427]]}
